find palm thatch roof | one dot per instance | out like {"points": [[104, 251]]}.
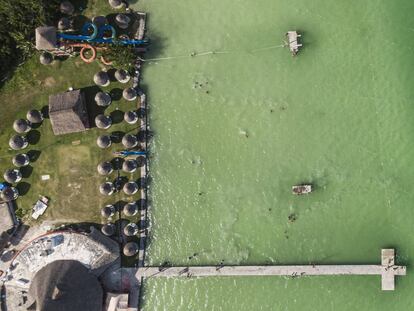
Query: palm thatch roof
{"points": [[105, 168], [141, 160], [21, 159], [130, 249], [66, 285], [108, 229], [67, 8], [101, 78], [21, 126], [64, 23], [104, 141], [103, 99], [131, 117], [129, 166], [103, 122], [129, 94], [46, 58], [122, 76], [46, 38], [130, 209], [116, 4], [130, 188], [100, 20], [34, 116], [122, 20], [9, 194], [68, 113], [108, 211], [107, 188], [18, 142], [131, 229], [12, 176], [129, 141]]}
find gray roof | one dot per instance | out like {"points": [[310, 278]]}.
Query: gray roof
{"points": [[101, 78], [122, 76], [46, 58], [46, 38], [105, 168], [130, 209], [66, 285], [103, 122], [130, 249], [129, 141], [129, 166], [12, 176], [129, 94], [34, 116], [131, 117], [21, 126], [18, 142], [67, 8], [104, 141], [68, 112], [6, 218], [21, 159], [130, 188], [103, 99], [108, 211]]}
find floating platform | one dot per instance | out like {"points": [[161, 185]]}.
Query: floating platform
{"points": [[293, 41], [302, 189]]}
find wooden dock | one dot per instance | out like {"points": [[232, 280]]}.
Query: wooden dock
{"points": [[387, 270]]}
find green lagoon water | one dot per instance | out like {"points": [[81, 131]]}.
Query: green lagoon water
{"points": [[236, 129]]}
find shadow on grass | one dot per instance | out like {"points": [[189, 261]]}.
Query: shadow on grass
{"points": [[23, 188], [33, 137], [116, 136], [92, 107], [117, 163], [117, 116], [26, 171], [116, 94], [34, 155]]}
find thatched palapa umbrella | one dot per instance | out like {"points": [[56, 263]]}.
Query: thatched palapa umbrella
{"points": [[122, 21], [100, 20], [21, 159], [129, 94], [131, 229], [104, 141], [103, 122], [105, 168], [9, 194], [108, 229], [130, 141], [122, 76], [103, 99], [130, 249], [34, 116], [141, 160], [131, 117], [130, 188], [12, 176], [116, 4], [18, 142], [107, 188], [67, 8], [46, 58], [64, 23], [21, 126], [130, 209], [108, 211], [101, 78], [129, 166]]}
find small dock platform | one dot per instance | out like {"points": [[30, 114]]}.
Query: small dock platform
{"points": [[387, 270], [293, 41]]}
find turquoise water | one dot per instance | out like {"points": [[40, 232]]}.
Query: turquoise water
{"points": [[234, 130]]}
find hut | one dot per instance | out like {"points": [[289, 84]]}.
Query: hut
{"points": [[129, 94], [122, 21], [46, 38], [34, 116], [107, 188], [129, 166], [21, 160], [64, 23], [141, 160], [46, 58], [108, 229], [101, 78], [116, 4], [103, 122], [108, 211], [131, 229], [131, 117], [130, 188], [100, 20], [130, 249], [68, 113], [9, 194], [66, 8], [130, 209], [103, 99], [18, 142], [122, 76], [65, 285], [12, 176], [105, 168], [104, 141], [21, 126], [129, 141]]}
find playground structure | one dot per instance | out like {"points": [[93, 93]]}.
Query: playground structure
{"points": [[89, 40]]}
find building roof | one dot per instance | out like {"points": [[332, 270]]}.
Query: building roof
{"points": [[34, 116], [122, 20], [105, 168], [130, 188], [101, 78], [129, 166], [131, 229], [116, 4], [66, 7], [21, 126], [9, 194], [64, 23], [130, 249], [103, 99], [107, 188], [129, 141], [108, 211], [129, 94], [103, 122], [108, 229], [21, 159], [46, 38], [131, 117], [12, 176], [68, 112], [104, 141], [18, 142], [122, 75], [130, 209], [6, 217], [66, 285]]}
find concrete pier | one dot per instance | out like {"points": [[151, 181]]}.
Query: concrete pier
{"points": [[387, 270]]}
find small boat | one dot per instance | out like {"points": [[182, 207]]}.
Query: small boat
{"points": [[293, 41], [302, 189]]}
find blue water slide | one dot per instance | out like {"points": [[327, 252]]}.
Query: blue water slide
{"points": [[85, 36]]}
